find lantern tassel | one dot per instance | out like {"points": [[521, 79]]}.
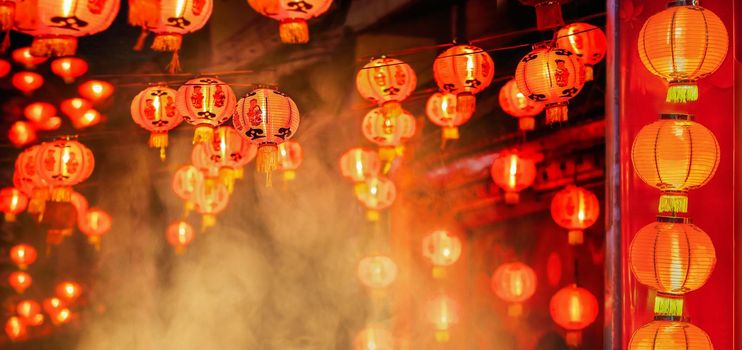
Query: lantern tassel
{"points": [[139, 45], [372, 215], [187, 208], [673, 203], [174, 65], [61, 194], [450, 133], [289, 175], [682, 92], [668, 305], [575, 237], [56, 46], [203, 134], [439, 272], [9, 217], [527, 123], [589, 75], [207, 221], [159, 140], [6, 42], [466, 103], [267, 161], [7, 15], [442, 336], [293, 31], [556, 113], [226, 177]]}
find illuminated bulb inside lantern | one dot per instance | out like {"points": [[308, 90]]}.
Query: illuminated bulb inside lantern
{"points": [[180, 8], [97, 88], [67, 7], [581, 208], [470, 66], [359, 164], [223, 144], [513, 171], [575, 308], [66, 65], [182, 233], [446, 252], [28, 79], [156, 105], [77, 103], [676, 265]]}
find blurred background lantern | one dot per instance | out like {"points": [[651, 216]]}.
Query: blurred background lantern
{"points": [[205, 103], [63, 163], [95, 91], [64, 315], [551, 76], [290, 156], [548, 13], [75, 107], [53, 123], [95, 223], [81, 205], [12, 202], [575, 209], [386, 82], [682, 44], [442, 249], [388, 133], [513, 172], [27, 82], [586, 41], [89, 118], [39, 112], [154, 109], [185, 181], [464, 70], [28, 311], [24, 57], [52, 305], [663, 334], [376, 194], [514, 283], [16, 329], [672, 256], [68, 291], [441, 110], [292, 16], [674, 155], [573, 308], [23, 255], [360, 164], [19, 281], [516, 104], [26, 166], [374, 338], [69, 68], [377, 271], [179, 234], [208, 166], [210, 201], [56, 25], [443, 313], [5, 68], [228, 153], [22, 133], [266, 118]]}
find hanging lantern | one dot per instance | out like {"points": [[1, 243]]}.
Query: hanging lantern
{"points": [[442, 249], [387, 82], [683, 44], [19, 281], [443, 313], [388, 132], [514, 283], [95, 91], [185, 181], [180, 235], [64, 163], [52, 123], [586, 41], [52, 305], [89, 118], [12, 202], [26, 168], [378, 271], [69, 68], [292, 16], [56, 25], [672, 256], [23, 255], [663, 334], [5, 68], [516, 104], [573, 308], [376, 194], [441, 110], [16, 329], [548, 13], [81, 205], [360, 164], [68, 291], [24, 57], [95, 223], [75, 107], [205, 103], [228, 152], [266, 118], [464, 70], [575, 209], [39, 112], [21, 133], [290, 156], [27, 82], [154, 109], [28, 311], [551, 76], [374, 338], [61, 317], [674, 155], [513, 173], [209, 201]]}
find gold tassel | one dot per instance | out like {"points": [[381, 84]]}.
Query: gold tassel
{"points": [[226, 177], [293, 31], [466, 103], [682, 92], [450, 133], [668, 305], [203, 134], [439, 272], [387, 156], [372, 215], [159, 140], [139, 45], [167, 42], [673, 203], [187, 208], [575, 237], [207, 221], [174, 65], [95, 242], [56, 46], [239, 173], [526, 123], [589, 75], [442, 336], [556, 113], [289, 175], [267, 161], [61, 194]]}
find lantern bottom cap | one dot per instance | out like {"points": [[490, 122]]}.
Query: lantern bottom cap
{"points": [[53, 46], [9, 217], [391, 109], [294, 31], [372, 215], [573, 338]]}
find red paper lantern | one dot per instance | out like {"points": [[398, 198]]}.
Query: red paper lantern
{"points": [[27, 82], [12, 202], [208, 166], [360, 164], [228, 152], [52, 305], [20, 281], [5, 68], [15, 328], [290, 156], [665, 334], [95, 223], [387, 82], [69, 68], [64, 163], [464, 70], [23, 255], [21, 133], [587, 42], [39, 112], [513, 173], [210, 201], [514, 283], [442, 111], [442, 249], [61, 317], [443, 313], [205, 103], [575, 209], [75, 107], [180, 235], [573, 308], [155, 110], [95, 91], [56, 25], [185, 182], [26, 169], [292, 16], [68, 291], [377, 193], [548, 13], [551, 76], [378, 271], [388, 132], [52, 123], [24, 57], [266, 117], [516, 104], [28, 311]]}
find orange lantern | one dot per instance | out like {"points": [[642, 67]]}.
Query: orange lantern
{"points": [[376, 193], [89, 118], [360, 164], [575, 209], [179, 235], [95, 91], [56, 25], [388, 132], [443, 313], [266, 118], [464, 70], [200, 159], [548, 13], [672, 256], [27, 170], [209, 201], [81, 205], [64, 163], [52, 305], [94, 224], [441, 110], [290, 156], [69, 68], [387, 82], [52, 123], [674, 155], [205, 103], [551, 76], [12, 202], [516, 104], [514, 283], [24, 57], [513, 173], [442, 249], [39, 112], [228, 152], [68, 291], [20, 281], [21, 133], [374, 338], [154, 109], [573, 308], [5, 68], [61, 317], [378, 271], [586, 41], [27, 82], [683, 44], [23, 255], [185, 181], [15, 328], [292, 16], [75, 107], [664, 334], [28, 311]]}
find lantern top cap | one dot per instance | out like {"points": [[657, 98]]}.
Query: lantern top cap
{"points": [[66, 138], [676, 3], [677, 116], [673, 220]]}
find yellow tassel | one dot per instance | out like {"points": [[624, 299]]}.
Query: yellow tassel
{"points": [[512, 198], [556, 113], [203, 134], [442, 336], [61, 194], [226, 177], [38, 200], [682, 92], [207, 221], [466, 103], [673, 203], [56, 46], [439, 272], [668, 305], [589, 73], [372, 215], [95, 242], [391, 109], [575, 237], [515, 310], [267, 161], [289, 175], [450, 133], [293, 31], [526, 123], [179, 250], [188, 208], [167, 42], [139, 45], [9, 217], [159, 140], [239, 173]]}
